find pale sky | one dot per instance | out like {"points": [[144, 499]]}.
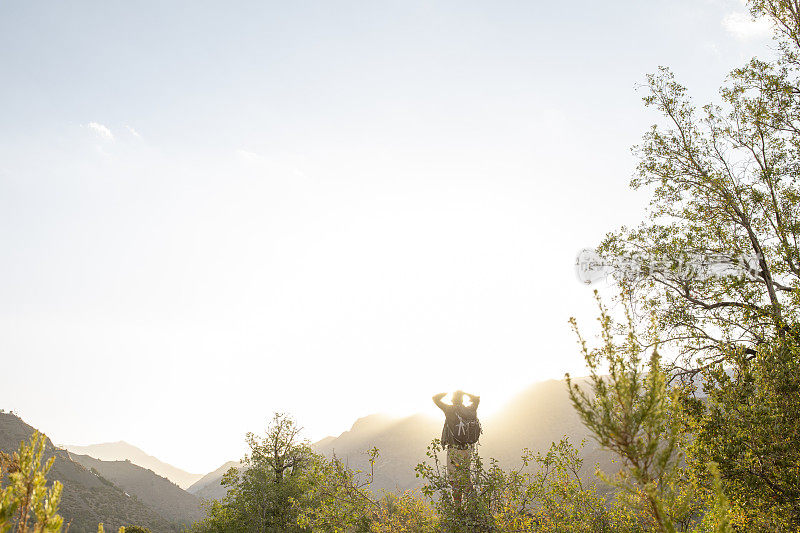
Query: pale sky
{"points": [[210, 211]]}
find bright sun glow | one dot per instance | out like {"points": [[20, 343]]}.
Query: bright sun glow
{"points": [[294, 207]]}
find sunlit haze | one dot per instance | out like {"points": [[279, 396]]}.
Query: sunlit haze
{"points": [[212, 211]]}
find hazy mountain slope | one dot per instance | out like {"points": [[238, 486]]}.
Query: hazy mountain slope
{"points": [[122, 451], [402, 444], [534, 419], [157, 492], [208, 487], [87, 498]]}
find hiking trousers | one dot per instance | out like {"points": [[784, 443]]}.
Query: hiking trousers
{"points": [[458, 461]]}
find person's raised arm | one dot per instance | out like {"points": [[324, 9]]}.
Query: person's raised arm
{"points": [[475, 400], [437, 399]]}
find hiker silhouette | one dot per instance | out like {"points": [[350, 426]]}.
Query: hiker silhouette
{"points": [[461, 431]]}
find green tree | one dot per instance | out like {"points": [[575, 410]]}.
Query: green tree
{"points": [[261, 493], [724, 188]]}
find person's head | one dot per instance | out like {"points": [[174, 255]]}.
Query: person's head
{"points": [[458, 397]]}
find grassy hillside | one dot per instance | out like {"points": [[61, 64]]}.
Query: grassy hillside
{"points": [[88, 498], [158, 493]]}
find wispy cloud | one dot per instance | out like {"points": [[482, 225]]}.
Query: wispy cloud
{"points": [[101, 130], [133, 132], [249, 156], [744, 27]]}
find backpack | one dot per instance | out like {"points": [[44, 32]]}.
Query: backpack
{"points": [[465, 428]]}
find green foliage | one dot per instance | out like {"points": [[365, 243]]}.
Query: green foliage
{"points": [[26, 504], [260, 496], [406, 513], [546, 493], [632, 412], [552, 496], [628, 411], [751, 429], [475, 510], [340, 499]]}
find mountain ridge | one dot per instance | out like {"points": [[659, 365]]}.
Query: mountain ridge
{"points": [[157, 492], [121, 450]]}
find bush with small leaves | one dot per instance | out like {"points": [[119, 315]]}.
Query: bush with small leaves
{"points": [[27, 505]]}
